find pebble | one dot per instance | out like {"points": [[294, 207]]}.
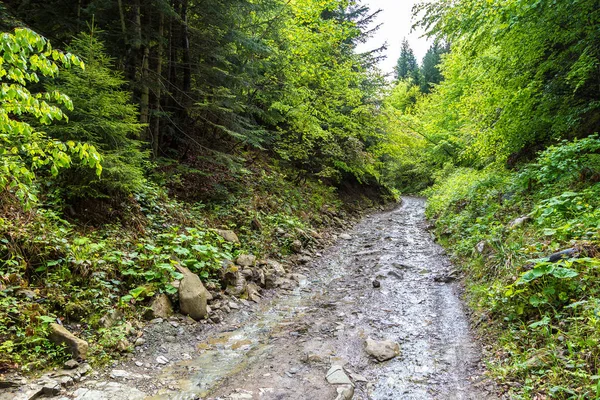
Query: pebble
{"points": [[162, 360], [376, 283]]}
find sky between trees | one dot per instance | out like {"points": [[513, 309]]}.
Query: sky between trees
{"points": [[396, 18]]}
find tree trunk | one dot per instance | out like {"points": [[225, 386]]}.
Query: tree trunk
{"points": [[159, 57]]}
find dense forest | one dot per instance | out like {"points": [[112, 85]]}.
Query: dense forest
{"points": [[138, 136]]}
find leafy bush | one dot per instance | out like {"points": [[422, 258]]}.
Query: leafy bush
{"points": [[24, 58]]}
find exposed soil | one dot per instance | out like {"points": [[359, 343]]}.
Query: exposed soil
{"points": [[283, 347]]}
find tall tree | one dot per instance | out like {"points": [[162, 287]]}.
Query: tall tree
{"points": [[407, 66], [430, 67]]}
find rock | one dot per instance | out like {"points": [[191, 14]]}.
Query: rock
{"points": [[109, 391], [238, 287], [568, 253], [376, 283], [337, 376], [71, 364], [447, 278], [345, 236], [296, 246], [304, 259], [482, 247], [52, 388], [162, 360], [11, 382], [245, 260], [313, 358], [382, 350], [233, 305], [59, 335], [247, 273], [110, 319], [29, 294], [228, 235], [298, 277], [123, 345], [139, 341], [358, 377], [515, 223], [276, 266], [84, 369], [193, 296], [119, 373], [345, 392], [159, 308], [253, 292]]}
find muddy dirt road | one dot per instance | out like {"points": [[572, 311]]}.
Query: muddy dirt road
{"points": [[284, 348]]}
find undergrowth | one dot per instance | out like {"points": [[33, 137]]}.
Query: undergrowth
{"points": [[541, 315], [54, 268]]}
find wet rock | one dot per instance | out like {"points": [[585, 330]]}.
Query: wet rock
{"points": [[228, 235], [376, 283], [71, 364], [337, 376], [159, 308], [245, 260], [59, 335], [193, 296], [382, 350], [345, 392], [296, 246], [515, 223], [345, 236]]}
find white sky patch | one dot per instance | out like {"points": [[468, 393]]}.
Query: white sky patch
{"points": [[397, 21]]}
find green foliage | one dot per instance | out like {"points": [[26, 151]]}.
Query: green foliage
{"points": [[24, 58], [536, 308], [102, 116]]}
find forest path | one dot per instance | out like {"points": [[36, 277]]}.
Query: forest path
{"points": [[284, 348]]}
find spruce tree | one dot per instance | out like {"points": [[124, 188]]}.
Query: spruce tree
{"points": [[407, 67], [104, 116]]}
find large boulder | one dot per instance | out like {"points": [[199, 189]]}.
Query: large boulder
{"points": [[228, 235], [193, 296], [76, 346], [159, 308], [382, 350]]}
